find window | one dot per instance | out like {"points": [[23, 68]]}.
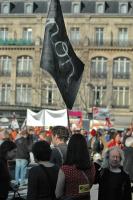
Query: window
{"points": [[121, 68], [123, 8], [28, 8], [100, 7], [24, 66], [3, 33], [98, 96], [99, 36], [123, 36], [5, 93], [23, 94], [48, 94], [75, 35], [5, 8], [99, 67], [27, 34], [76, 7], [5, 66], [120, 97]]}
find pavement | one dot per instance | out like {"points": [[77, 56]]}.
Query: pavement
{"points": [[23, 192]]}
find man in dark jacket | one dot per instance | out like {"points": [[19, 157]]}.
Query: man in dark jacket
{"points": [[22, 157], [60, 135]]}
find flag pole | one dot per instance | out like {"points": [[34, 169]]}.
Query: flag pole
{"points": [[69, 127]]}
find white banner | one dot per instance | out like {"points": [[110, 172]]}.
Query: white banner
{"points": [[35, 119], [56, 117]]}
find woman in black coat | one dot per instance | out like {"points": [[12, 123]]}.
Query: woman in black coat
{"points": [[7, 152], [114, 183]]}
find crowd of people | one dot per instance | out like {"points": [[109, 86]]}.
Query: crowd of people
{"points": [[66, 164]]}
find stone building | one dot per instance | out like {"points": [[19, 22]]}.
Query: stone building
{"points": [[101, 35]]}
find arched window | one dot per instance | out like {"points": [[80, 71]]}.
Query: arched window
{"points": [[123, 8], [100, 7], [5, 8], [76, 7], [99, 67], [28, 8], [24, 66], [121, 68], [5, 65]]}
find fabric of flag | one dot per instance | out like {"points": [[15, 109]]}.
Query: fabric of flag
{"points": [[58, 56]]}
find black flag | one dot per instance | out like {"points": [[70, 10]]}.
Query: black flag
{"points": [[58, 57]]}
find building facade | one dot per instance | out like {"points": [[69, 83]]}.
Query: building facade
{"points": [[101, 35]]}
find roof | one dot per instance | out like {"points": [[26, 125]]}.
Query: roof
{"points": [[86, 7]]}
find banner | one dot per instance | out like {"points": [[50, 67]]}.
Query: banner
{"points": [[100, 113], [35, 119], [75, 119], [56, 117]]}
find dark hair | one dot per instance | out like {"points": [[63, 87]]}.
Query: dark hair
{"points": [[41, 151], [77, 152], [61, 131], [5, 147]]}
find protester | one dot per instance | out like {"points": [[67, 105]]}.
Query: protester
{"points": [[76, 176], [114, 183], [43, 177], [128, 153], [60, 135], [126, 134], [95, 142], [7, 152], [22, 157]]}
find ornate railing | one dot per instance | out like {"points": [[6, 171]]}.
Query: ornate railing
{"points": [[16, 42]]}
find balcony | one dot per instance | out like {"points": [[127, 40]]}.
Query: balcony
{"points": [[98, 75], [3, 103], [106, 43], [121, 76], [24, 74], [23, 104], [120, 106], [16, 42], [5, 73]]}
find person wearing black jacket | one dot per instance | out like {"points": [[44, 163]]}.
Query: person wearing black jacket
{"points": [[7, 151], [60, 135], [42, 178], [22, 157], [114, 183]]}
